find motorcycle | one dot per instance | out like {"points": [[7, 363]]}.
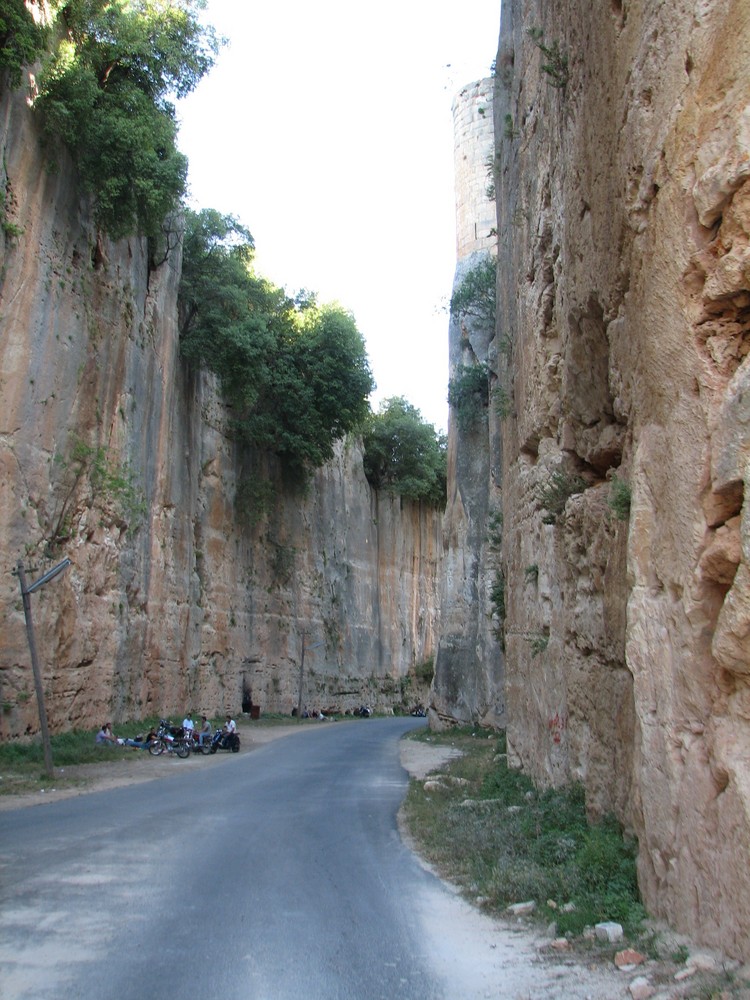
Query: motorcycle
{"points": [[419, 712], [364, 711], [195, 744], [169, 739], [222, 740]]}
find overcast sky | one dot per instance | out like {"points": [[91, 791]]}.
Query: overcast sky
{"points": [[326, 128]]}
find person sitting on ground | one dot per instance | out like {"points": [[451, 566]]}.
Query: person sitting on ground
{"points": [[141, 742], [105, 736], [205, 730]]}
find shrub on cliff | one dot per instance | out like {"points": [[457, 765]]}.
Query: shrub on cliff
{"points": [[21, 40], [469, 393], [404, 454], [296, 374], [104, 93], [476, 294]]}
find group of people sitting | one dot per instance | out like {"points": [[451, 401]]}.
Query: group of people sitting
{"points": [[105, 736]]}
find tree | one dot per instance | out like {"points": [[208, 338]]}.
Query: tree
{"points": [[403, 454], [295, 374], [105, 93], [476, 294], [21, 40]]}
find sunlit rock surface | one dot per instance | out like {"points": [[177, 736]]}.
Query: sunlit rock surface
{"points": [[186, 589]]}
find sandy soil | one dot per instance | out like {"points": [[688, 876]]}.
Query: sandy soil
{"points": [[491, 958]]}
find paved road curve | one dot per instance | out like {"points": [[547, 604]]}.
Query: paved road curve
{"points": [[264, 876]]}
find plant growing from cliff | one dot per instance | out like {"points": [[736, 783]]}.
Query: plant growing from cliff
{"points": [[253, 499], [502, 402], [538, 642], [295, 374], [106, 93], [476, 294], [469, 393], [425, 671], [531, 573], [555, 492], [21, 39], [403, 454], [495, 530], [87, 476], [556, 65], [619, 498], [497, 600]]}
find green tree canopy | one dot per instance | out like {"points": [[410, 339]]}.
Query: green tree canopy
{"points": [[21, 40], [404, 454], [295, 373], [106, 93]]}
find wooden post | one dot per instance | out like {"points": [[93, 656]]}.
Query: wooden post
{"points": [[46, 744]]}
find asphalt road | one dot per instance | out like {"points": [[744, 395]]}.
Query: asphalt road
{"points": [[278, 874]]}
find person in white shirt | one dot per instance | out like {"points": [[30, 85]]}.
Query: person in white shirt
{"points": [[187, 723], [230, 726]]}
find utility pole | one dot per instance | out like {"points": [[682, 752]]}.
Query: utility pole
{"points": [[26, 593]]}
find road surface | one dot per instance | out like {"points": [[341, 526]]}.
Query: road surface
{"points": [[278, 874]]}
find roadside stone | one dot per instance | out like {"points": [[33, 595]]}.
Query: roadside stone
{"points": [[641, 989], [685, 973], [628, 959], [608, 930], [702, 961], [522, 909], [560, 944], [434, 786]]}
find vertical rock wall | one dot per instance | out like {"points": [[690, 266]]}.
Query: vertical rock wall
{"points": [[624, 299], [468, 671], [183, 592]]}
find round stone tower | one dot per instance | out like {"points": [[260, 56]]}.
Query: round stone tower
{"points": [[474, 149]]}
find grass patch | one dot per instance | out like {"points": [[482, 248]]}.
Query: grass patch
{"points": [[492, 833]]}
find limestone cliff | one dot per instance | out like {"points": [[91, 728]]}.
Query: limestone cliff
{"points": [[468, 681], [184, 591], [623, 192]]}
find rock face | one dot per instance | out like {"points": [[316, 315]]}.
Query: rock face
{"points": [[623, 190], [185, 590], [468, 681]]}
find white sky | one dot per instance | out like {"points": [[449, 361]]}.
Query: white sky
{"points": [[326, 128]]}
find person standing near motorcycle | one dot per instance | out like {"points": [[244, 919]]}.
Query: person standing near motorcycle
{"points": [[188, 725]]}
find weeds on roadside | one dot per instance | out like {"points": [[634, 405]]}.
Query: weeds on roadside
{"points": [[490, 831]]}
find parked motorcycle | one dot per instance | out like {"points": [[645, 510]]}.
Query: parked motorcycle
{"points": [[364, 711], [222, 740], [169, 739], [195, 744]]}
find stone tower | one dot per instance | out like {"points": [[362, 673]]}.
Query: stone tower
{"points": [[473, 150], [468, 684]]}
